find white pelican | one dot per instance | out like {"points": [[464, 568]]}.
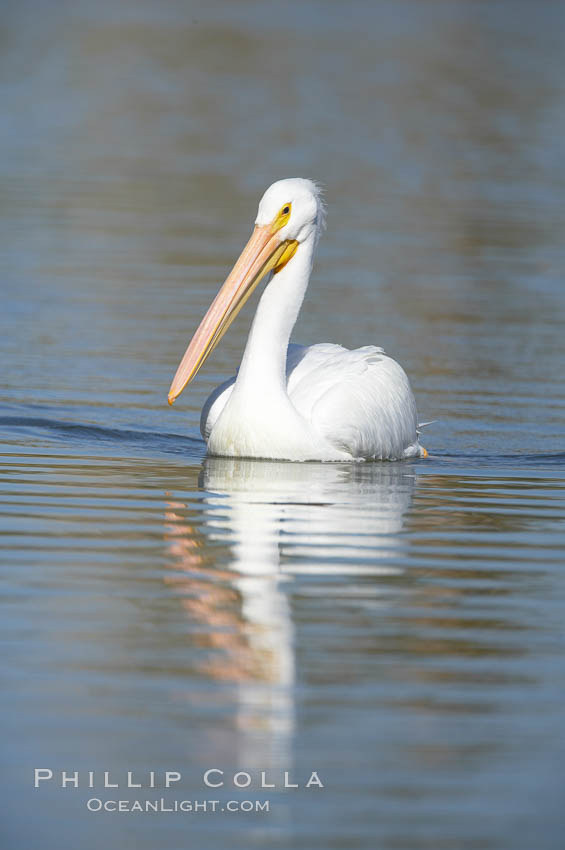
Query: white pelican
{"points": [[292, 402]]}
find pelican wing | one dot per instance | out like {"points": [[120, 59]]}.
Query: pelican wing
{"points": [[359, 400]]}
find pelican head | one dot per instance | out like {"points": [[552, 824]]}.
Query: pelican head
{"points": [[290, 212], [305, 213]]}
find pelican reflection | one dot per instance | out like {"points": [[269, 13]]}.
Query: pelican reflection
{"points": [[279, 523]]}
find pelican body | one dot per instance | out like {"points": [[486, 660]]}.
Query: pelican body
{"points": [[291, 402]]}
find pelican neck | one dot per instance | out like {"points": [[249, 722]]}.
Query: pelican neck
{"points": [[263, 366]]}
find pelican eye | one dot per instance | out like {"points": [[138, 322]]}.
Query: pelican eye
{"points": [[281, 217]]}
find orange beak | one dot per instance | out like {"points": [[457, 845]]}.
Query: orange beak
{"points": [[263, 253]]}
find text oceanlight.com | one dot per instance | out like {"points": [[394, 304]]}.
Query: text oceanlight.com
{"points": [[95, 804]]}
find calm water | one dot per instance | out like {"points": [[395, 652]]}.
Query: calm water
{"points": [[397, 628]]}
